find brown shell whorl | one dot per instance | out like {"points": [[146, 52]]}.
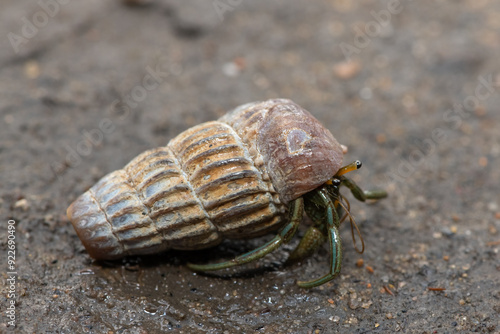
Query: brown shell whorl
{"points": [[291, 147], [300, 153]]}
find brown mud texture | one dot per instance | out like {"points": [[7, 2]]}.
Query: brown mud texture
{"points": [[411, 87]]}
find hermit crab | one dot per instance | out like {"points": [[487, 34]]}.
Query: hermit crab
{"points": [[253, 171]]}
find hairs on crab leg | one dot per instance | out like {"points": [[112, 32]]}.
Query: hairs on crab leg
{"points": [[353, 224]]}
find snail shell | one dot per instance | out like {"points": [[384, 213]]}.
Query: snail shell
{"points": [[230, 178]]}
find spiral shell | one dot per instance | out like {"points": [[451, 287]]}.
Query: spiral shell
{"points": [[230, 178]]}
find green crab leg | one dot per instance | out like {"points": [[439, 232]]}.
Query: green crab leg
{"points": [[285, 234], [310, 242], [360, 194], [334, 241]]}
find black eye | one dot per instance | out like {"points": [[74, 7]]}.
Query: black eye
{"points": [[336, 182], [358, 164]]}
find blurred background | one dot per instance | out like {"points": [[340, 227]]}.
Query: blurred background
{"points": [[411, 87]]}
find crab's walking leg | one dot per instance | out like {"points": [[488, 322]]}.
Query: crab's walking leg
{"points": [[360, 194], [284, 235], [310, 242], [332, 224]]}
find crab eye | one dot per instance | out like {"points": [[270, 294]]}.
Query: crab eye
{"points": [[336, 182]]}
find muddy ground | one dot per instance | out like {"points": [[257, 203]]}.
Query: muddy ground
{"points": [[418, 103]]}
